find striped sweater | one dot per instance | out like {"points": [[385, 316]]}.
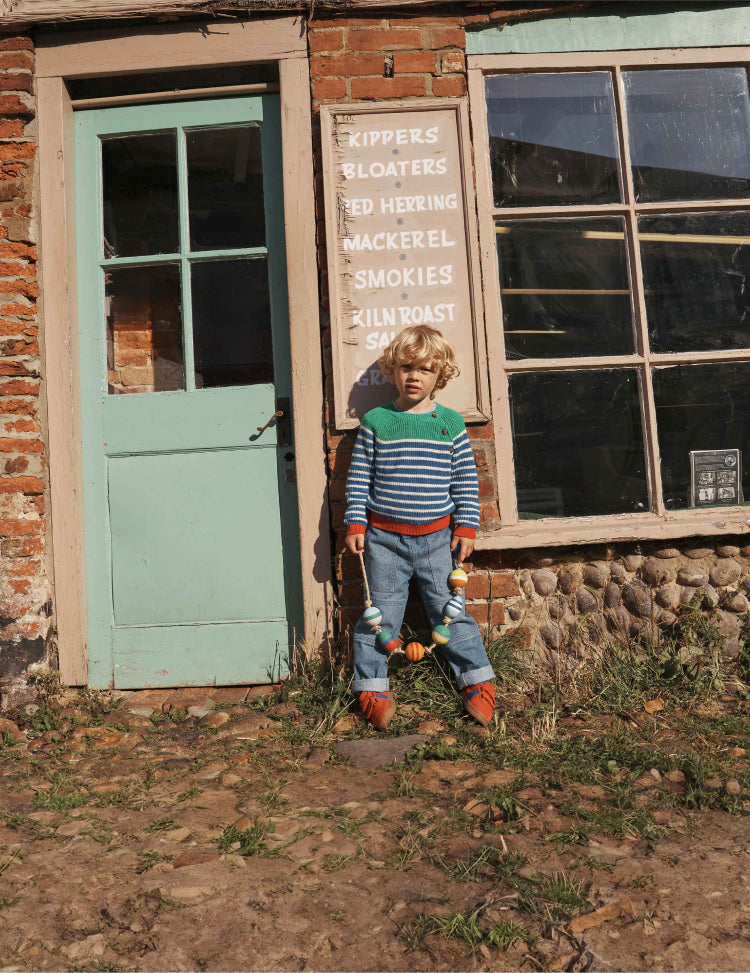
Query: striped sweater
{"points": [[412, 469]]}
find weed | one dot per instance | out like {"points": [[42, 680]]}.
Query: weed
{"points": [[161, 824], [483, 864], [14, 856], [246, 843], [468, 927], [553, 898], [334, 863], [573, 836], [7, 903], [413, 844], [337, 916], [147, 860], [189, 794]]}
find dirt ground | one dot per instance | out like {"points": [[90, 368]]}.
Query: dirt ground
{"points": [[253, 836]]}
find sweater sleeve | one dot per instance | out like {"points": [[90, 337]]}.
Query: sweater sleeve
{"points": [[359, 481], [464, 488]]}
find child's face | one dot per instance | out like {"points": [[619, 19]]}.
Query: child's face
{"points": [[415, 382]]}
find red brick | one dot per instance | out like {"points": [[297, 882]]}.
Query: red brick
{"points": [[19, 528], [15, 150], [16, 44], [485, 431], [15, 465], [452, 87], [19, 287], [16, 59], [21, 546], [17, 310], [346, 65], [453, 62], [11, 129], [381, 39], [22, 569], [18, 250], [325, 40], [19, 346], [8, 367], [21, 446], [486, 486], [22, 425], [504, 586], [17, 386], [10, 268], [488, 511], [478, 586], [445, 37], [21, 587], [497, 613], [324, 24], [479, 612], [21, 484], [468, 19], [17, 81], [414, 63], [23, 407], [328, 88], [403, 87], [417, 21]]}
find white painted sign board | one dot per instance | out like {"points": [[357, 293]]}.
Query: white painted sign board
{"points": [[401, 242]]}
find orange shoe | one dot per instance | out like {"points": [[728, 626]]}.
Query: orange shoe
{"points": [[479, 701], [378, 707]]}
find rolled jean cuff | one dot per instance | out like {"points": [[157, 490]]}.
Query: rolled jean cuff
{"points": [[473, 676], [370, 685]]}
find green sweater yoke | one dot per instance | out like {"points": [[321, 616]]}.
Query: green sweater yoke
{"points": [[388, 423]]}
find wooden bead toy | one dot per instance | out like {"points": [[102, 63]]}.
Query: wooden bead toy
{"points": [[454, 607], [373, 616], [414, 651], [458, 578], [387, 641], [441, 634]]}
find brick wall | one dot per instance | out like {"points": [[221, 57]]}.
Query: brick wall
{"points": [[360, 59], [25, 593]]}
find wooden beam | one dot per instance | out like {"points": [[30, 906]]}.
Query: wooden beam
{"points": [[19, 14]]}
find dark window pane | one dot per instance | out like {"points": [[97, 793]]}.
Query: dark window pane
{"points": [[552, 139], [578, 443], [565, 288], [139, 174], [700, 407], [231, 323], [144, 330], [695, 272], [689, 133], [225, 188]]}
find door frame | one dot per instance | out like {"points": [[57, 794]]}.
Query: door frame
{"points": [[140, 50]]}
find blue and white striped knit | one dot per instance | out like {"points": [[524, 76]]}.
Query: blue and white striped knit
{"points": [[412, 468]]}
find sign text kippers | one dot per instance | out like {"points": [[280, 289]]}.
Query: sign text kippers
{"points": [[398, 249]]}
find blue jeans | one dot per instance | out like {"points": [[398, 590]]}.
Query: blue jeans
{"points": [[391, 560]]}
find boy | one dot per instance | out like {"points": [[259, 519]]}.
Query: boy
{"points": [[412, 471]]}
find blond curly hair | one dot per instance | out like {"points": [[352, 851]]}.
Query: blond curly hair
{"points": [[420, 345]]}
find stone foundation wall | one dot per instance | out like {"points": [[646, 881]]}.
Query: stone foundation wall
{"points": [[616, 590]]}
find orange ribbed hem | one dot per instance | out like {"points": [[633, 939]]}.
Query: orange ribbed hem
{"points": [[462, 531], [355, 529], [413, 530]]}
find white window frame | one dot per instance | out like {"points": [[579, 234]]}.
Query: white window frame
{"points": [[658, 523]]}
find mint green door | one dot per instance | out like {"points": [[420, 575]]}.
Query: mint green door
{"points": [[192, 542]]}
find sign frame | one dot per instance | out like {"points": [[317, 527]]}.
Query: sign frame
{"points": [[480, 411], [723, 472]]}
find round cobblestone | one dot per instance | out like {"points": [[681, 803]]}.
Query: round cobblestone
{"points": [[656, 572], [697, 553], [586, 601], [637, 599], [666, 619], [596, 574], [569, 579], [552, 635], [692, 577], [632, 562], [545, 581], [738, 603], [666, 553], [727, 550], [556, 606], [724, 572], [618, 573], [668, 597], [612, 595], [618, 620]]}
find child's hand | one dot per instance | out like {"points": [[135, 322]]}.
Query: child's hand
{"points": [[355, 543], [461, 547]]}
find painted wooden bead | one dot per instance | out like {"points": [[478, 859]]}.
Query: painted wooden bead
{"points": [[387, 641], [373, 616], [441, 634], [454, 607], [414, 651], [458, 578]]}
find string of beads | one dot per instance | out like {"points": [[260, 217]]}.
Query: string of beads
{"points": [[414, 651]]}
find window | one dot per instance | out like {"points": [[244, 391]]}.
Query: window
{"points": [[615, 214]]}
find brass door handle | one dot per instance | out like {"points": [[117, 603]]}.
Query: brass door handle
{"points": [[276, 415]]}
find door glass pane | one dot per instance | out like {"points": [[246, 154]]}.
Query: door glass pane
{"points": [[695, 272], [564, 286], [689, 133], [139, 176], [144, 329], [231, 323], [552, 139], [700, 407], [225, 188], [578, 443]]}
